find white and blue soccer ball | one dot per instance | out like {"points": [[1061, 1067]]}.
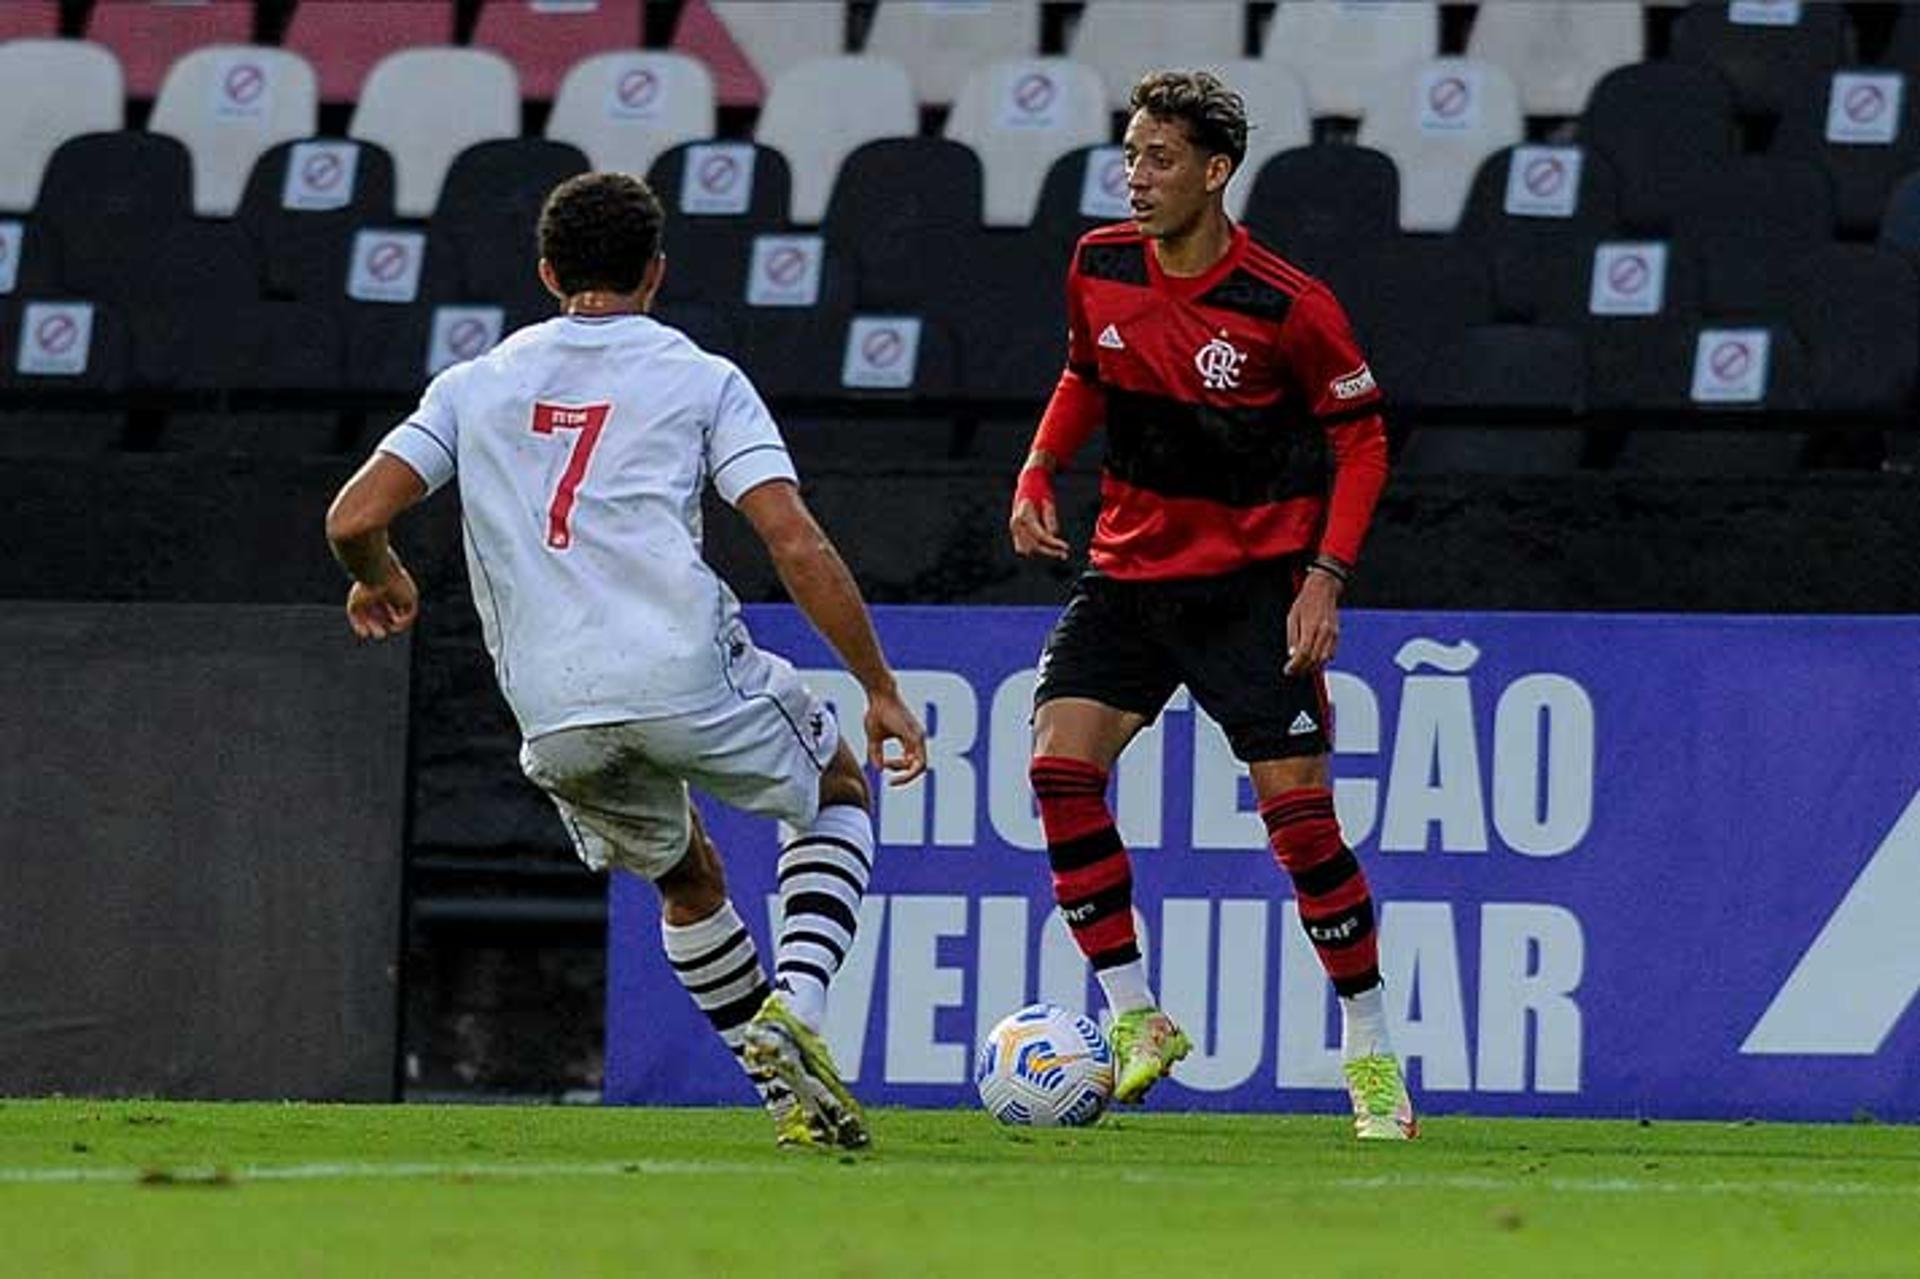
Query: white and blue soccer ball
{"points": [[1045, 1067]]}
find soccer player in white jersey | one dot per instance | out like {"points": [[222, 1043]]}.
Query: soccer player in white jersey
{"points": [[582, 446]]}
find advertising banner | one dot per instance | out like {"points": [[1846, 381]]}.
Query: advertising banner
{"points": [[1626, 865]]}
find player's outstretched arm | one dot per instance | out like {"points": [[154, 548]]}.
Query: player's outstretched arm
{"points": [[818, 581], [383, 600]]}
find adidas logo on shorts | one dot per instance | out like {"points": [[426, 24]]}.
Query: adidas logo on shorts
{"points": [[1303, 724]]}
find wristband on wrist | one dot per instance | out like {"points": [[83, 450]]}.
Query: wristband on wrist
{"points": [[1332, 567], [1034, 485]]}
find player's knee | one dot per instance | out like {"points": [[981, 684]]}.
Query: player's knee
{"points": [[843, 782]]}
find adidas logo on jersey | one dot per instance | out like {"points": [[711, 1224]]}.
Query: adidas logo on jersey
{"points": [[1303, 724], [1111, 339]]}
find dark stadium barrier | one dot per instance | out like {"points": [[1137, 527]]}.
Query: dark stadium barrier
{"points": [[201, 821], [1628, 865]]}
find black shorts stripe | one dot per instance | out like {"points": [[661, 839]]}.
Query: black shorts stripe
{"points": [[706, 957], [1078, 854], [722, 982], [1237, 457], [793, 870], [1327, 876], [826, 906]]}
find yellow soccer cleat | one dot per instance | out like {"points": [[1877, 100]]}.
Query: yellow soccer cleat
{"points": [[1382, 1110], [781, 1045], [1146, 1044]]}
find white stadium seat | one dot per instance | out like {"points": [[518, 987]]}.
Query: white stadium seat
{"points": [[778, 34], [51, 90], [1277, 118], [1125, 39], [1339, 48], [819, 112], [1437, 121], [426, 106], [942, 42], [1557, 50], [1020, 117], [624, 109], [229, 103]]}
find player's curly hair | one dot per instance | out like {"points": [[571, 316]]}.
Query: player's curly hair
{"points": [[600, 231], [1215, 116]]}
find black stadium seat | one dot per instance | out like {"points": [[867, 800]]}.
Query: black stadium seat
{"points": [[1768, 67], [1658, 122], [305, 251], [710, 255], [109, 200], [1857, 309], [1528, 254], [1407, 298], [487, 214], [1862, 174], [1743, 254], [1320, 203]]}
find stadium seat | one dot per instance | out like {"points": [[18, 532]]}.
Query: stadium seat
{"points": [[1437, 121], [1277, 114], [305, 249], [1862, 167], [1649, 365], [624, 109], [148, 36], [30, 20], [906, 215], [1768, 66], [941, 43], [1857, 309], [1524, 248], [110, 200], [1744, 256], [1061, 217], [201, 277], [1557, 50], [543, 41], [426, 106], [228, 104], [1712, 454], [488, 214], [1658, 122], [1484, 450], [1338, 49], [1538, 369], [710, 254], [1122, 40], [817, 113], [1408, 298], [765, 37], [108, 359], [344, 39], [50, 91], [29, 258], [1020, 117], [1565, 286], [1316, 204]]}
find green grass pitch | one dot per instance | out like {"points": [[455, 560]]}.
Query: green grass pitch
{"points": [[157, 1189]]}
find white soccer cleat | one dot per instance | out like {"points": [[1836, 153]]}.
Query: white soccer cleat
{"points": [[1382, 1110]]}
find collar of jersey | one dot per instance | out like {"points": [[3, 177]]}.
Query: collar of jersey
{"points": [[598, 321], [1192, 286]]}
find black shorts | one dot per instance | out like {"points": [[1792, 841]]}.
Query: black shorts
{"points": [[1129, 645]]}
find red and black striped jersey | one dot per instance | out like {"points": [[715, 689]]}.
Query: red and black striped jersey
{"points": [[1243, 423]]}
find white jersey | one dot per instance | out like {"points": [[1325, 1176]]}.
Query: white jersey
{"points": [[582, 447]]}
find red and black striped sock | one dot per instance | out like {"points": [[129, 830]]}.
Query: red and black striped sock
{"points": [[1092, 878], [1336, 908]]}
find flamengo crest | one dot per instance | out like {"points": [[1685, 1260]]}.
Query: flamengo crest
{"points": [[1219, 363]]}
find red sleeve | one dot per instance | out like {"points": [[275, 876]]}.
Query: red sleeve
{"points": [[1078, 405], [1343, 397]]}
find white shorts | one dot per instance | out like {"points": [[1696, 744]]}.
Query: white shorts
{"points": [[622, 788]]}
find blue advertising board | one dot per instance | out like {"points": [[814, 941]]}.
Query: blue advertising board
{"points": [[1626, 865]]}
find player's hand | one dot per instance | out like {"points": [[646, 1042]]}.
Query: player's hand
{"points": [[388, 608], [1035, 523], [1313, 625], [889, 720]]}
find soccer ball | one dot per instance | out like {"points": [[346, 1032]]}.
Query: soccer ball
{"points": [[1045, 1067]]}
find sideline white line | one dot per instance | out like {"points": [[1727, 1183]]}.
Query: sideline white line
{"points": [[204, 1175]]}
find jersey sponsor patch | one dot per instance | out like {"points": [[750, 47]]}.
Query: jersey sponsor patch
{"points": [[1351, 386]]}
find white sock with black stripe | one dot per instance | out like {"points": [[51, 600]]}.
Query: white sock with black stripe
{"points": [[716, 960], [823, 876]]}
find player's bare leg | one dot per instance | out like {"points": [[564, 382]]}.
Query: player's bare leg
{"points": [[1076, 741], [1336, 910], [823, 876], [712, 953]]}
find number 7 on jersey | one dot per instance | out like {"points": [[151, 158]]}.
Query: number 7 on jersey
{"points": [[587, 419]]}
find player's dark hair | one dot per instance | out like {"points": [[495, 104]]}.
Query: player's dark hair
{"points": [[1215, 116], [600, 231]]}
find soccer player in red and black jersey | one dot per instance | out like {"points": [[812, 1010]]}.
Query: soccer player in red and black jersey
{"points": [[1244, 454]]}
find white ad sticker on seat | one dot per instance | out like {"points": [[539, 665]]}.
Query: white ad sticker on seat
{"points": [[1863, 107], [1543, 182], [717, 178], [1628, 279], [386, 266], [882, 353], [320, 176], [55, 338], [786, 270], [11, 235], [1730, 366], [460, 333]]}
